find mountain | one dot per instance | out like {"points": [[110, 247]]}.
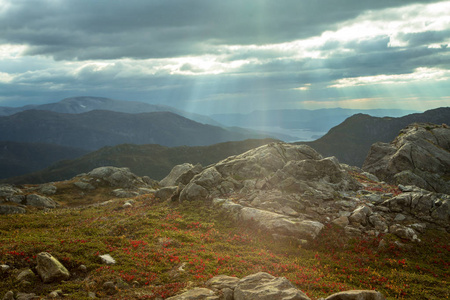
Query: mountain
{"points": [[154, 161], [351, 140], [95, 129], [21, 158], [77, 105], [314, 120]]}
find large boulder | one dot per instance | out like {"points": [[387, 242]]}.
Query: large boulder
{"points": [[286, 167], [263, 286], [50, 269], [420, 155]]}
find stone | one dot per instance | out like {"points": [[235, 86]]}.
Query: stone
{"points": [[40, 201], [360, 215], [7, 191], [264, 286], [26, 275], [419, 155], [48, 189], [196, 294], [121, 193], [50, 269], [8, 296], [92, 295], [118, 177], [379, 222], [166, 192], [127, 205], [25, 296], [10, 209], [4, 268], [181, 174], [403, 232], [82, 268], [84, 186], [222, 281], [399, 217], [107, 259], [357, 295], [341, 221], [55, 294]]}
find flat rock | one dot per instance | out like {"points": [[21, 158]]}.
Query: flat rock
{"points": [[40, 201], [357, 295], [10, 209], [196, 294]]}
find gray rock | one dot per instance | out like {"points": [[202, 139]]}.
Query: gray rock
{"points": [[7, 191], [399, 217], [40, 201], [341, 221], [181, 174], [19, 199], [196, 294], [9, 209], [25, 296], [222, 281], [9, 296], [360, 215], [121, 193], [84, 186], [357, 295], [119, 177], [403, 232], [419, 156], [377, 221], [264, 286], [55, 294], [50, 269], [166, 192], [26, 275], [48, 189]]}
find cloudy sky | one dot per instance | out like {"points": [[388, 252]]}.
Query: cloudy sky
{"points": [[223, 56]]}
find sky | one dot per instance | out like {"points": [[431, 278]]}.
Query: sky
{"points": [[210, 56]]}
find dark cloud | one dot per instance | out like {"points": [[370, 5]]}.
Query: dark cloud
{"points": [[85, 29]]}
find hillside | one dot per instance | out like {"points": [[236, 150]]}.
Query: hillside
{"points": [[276, 222], [154, 161], [95, 129], [21, 158], [77, 105], [350, 141]]}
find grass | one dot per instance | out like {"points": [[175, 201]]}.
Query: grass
{"points": [[163, 248]]}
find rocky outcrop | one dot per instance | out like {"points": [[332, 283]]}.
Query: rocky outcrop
{"points": [[50, 269], [290, 191], [262, 286], [420, 155], [117, 177], [39, 201], [181, 174]]}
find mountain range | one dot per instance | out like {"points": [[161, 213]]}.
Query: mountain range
{"points": [[78, 105], [95, 129]]}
